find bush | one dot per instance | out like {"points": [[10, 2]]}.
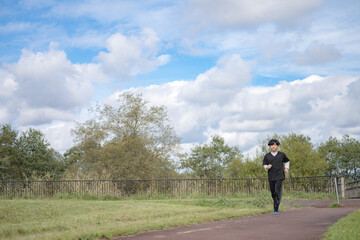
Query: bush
{"points": [[335, 205]]}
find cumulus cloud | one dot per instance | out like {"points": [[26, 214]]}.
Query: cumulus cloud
{"points": [[197, 105], [220, 82], [317, 54], [316, 106], [129, 56], [29, 116], [220, 101], [49, 79], [47, 91], [4, 114], [45, 86], [7, 84], [234, 13], [59, 134]]}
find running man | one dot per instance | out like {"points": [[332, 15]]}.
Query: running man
{"points": [[274, 164]]}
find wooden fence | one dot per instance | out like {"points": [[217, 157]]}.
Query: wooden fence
{"points": [[178, 187]]}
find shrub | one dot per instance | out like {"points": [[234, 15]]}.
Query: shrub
{"points": [[335, 205]]}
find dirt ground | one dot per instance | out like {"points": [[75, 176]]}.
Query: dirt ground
{"points": [[308, 223]]}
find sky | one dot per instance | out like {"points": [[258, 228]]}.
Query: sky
{"points": [[240, 69]]}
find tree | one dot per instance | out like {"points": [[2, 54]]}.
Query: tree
{"points": [[130, 140], [210, 160], [38, 159], [9, 162], [245, 168], [329, 152], [342, 156], [305, 160], [27, 155]]}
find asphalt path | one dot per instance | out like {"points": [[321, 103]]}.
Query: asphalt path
{"points": [[308, 223]]}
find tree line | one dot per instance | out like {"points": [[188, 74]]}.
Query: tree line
{"points": [[134, 140]]}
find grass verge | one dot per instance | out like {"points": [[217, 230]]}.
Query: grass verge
{"points": [[83, 219], [346, 228], [105, 217]]}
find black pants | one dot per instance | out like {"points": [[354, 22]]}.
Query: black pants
{"points": [[276, 192]]}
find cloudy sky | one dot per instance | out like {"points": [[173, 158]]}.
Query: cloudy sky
{"points": [[242, 69]]}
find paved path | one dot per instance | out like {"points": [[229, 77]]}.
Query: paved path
{"points": [[303, 224]]}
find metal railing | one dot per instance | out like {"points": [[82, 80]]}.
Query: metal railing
{"points": [[178, 187]]}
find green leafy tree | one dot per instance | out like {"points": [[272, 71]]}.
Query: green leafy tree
{"points": [[72, 156], [10, 167], [329, 152], [130, 140], [342, 156], [210, 160], [27, 155], [245, 168], [304, 157], [72, 160], [38, 159]]}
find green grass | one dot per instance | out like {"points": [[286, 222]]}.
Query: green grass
{"points": [[347, 228], [299, 195], [104, 217], [82, 219], [335, 205]]}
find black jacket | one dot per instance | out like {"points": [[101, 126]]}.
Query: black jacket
{"points": [[276, 172]]}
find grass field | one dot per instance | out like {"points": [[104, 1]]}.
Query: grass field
{"points": [[92, 219], [347, 228]]}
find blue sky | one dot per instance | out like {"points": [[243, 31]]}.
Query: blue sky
{"points": [[242, 69]]}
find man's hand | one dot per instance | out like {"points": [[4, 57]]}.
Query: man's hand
{"points": [[269, 166], [286, 170]]}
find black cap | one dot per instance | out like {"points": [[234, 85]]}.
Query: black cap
{"points": [[273, 141]]}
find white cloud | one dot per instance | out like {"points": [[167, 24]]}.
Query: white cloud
{"points": [[4, 115], [317, 54], [229, 75], [103, 11], [232, 124], [13, 27], [7, 84], [46, 90], [196, 106], [49, 80], [133, 55], [91, 39], [244, 13], [316, 106], [28, 116], [45, 86], [59, 135]]}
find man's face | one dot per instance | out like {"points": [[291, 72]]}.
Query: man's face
{"points": [[274, 147]]}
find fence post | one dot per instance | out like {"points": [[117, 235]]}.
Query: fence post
{"points": [[336, 188], [342, 187]]}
